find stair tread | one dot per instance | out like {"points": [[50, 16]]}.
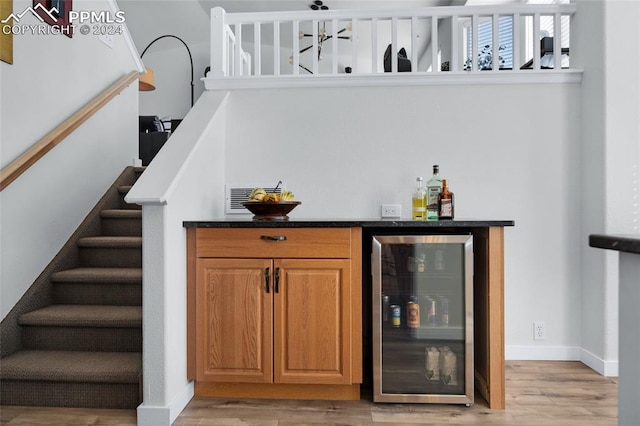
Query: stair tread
{"points": [[72, 366], [84, 316], [99, 275], [121, 214], [110, 241]]}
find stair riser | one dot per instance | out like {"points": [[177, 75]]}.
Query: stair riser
{"points": [[122, 227], [82, 338], [70, 394], [102, 257], [97, 294]]}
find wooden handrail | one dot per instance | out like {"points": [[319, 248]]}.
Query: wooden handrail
{"points": [[51, 139]]}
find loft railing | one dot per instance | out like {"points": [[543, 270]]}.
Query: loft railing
{"points": [[351, 44], [18, 166]]}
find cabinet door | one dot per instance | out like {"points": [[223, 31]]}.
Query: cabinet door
{"points": [[312, 321], [235, 320]]}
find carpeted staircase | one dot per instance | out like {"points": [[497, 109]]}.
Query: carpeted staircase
{"points": [[75, 338]]}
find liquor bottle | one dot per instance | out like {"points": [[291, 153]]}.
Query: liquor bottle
{"points": [[434, 186], [445, 202], [419, 202]]}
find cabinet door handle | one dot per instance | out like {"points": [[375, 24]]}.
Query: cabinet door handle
{"points": [[274, 237], [266, 278], [277, 281]]}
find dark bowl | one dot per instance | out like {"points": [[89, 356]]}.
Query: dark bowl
{"points": [[270, 210]]}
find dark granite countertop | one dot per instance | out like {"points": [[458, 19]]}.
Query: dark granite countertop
{"points": [[346, 223], [625, 243]]}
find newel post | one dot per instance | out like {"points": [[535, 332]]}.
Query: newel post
{"points": [[219, 44]]}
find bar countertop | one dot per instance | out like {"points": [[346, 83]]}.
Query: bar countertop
{"points": [[624, 243], [345, 223]]}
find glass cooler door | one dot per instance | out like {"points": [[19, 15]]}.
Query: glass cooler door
{"points": [[423, 318]]}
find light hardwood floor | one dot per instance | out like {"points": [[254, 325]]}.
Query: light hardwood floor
{"points": [[538, 393]]}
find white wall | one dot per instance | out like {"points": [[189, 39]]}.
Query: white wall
{"points": [[52, 76], [508, 152]]}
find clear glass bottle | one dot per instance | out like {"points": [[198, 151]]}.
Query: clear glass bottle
{"points": [[445, 202], [434, 187], [419, 202]]}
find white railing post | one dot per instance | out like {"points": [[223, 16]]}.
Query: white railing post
{"points": [[434, 44], [495, 41], [536, 41], [557, 42], [474, 41], [516, 61], [238, 50], [295, 62], [394, 45], [314, 55], [414, 44], [276, 48], [374, 46], [218, 43], [257, 49], [455, 44], [355, 39], [334, 46]]}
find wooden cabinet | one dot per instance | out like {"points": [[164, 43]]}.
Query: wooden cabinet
{"points": [[279, 307], [235, 321]]}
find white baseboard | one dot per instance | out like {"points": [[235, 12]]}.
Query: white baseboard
{"points": [[562, 353], [165, 415], [602, 366], [542, 353]]}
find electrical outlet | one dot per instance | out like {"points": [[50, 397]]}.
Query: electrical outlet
{"points": [[391, 210], [539, 331]]}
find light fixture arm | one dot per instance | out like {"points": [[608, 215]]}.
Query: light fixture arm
{"points": [[188, 51]]}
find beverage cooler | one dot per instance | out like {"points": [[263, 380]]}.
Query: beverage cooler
{"points": [[422, 318]]}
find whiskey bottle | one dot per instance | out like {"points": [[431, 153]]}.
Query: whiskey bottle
{"points": [[445, 202], [419, 202], [434, 186]]}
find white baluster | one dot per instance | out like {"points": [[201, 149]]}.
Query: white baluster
{"points": [[257, 49], [495, 42], [355, 39], [414, 44], [474, 41], [334, 46], [374, 45], [314, 54], [557, 42], [394, 45], [296, 47], [536, 41], [516, 42], [276, 48], [434, 44], [455, 41], [238, 49]]}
